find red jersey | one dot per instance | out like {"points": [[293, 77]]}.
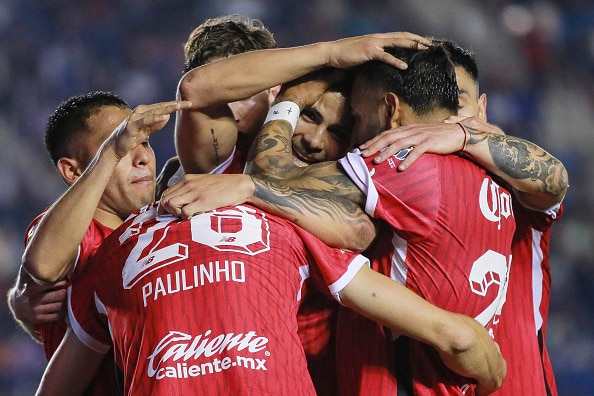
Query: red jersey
{"points": [[206, 305], [452, 228], [522, 332], [52, 333], [317, 313]]}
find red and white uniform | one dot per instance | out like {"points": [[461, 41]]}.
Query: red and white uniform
{"points": [[52, 333], [522, 331], [452, 227], [317, 313], [207, 305]]}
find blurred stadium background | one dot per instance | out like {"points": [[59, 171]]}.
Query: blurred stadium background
{"points": [[536, 60]]}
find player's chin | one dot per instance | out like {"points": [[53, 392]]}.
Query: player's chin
{"points": [[145, 194]]}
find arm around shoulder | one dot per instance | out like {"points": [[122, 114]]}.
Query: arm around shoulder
{"points": [[463, 344], [72, 356]]}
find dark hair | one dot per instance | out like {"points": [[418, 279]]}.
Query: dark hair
{"points": [[460, 57], [69, 121], [427, 84], [224, 36]]}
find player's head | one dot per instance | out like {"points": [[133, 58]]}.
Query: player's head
{"points": [[385, 97], [220, 37], [472, 103], [323, 132], [74, 133]]}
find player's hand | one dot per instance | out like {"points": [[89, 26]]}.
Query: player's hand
{"points": [[144, 120], [200, 193], [439, 138], [35, 304], [349, 52]]}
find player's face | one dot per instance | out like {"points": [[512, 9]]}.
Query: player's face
{"points": [[470, 104], [323, 130], [132, 184], [250, 113], [365, 109]]}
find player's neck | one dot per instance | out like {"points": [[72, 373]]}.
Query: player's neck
{"points": [[108, 219]]}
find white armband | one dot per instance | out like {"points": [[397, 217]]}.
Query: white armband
{"points": [[288, 111]]}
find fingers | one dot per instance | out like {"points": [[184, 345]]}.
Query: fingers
{"points": [[149, 116], [50, 312], [179, 200], [54, 296], [389, 143], [51, 317], [51, 305], [392, 60], [408, 39], [401, 39]]}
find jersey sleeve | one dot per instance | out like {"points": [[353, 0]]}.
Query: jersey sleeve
{"points": [[332, 269], [87, 315], [409, 201]]}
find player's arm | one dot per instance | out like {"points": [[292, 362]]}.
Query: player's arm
{"points": [[539, 179], [32, 304], [71, 369], [205, 135], [52, 250], [322, 200], [463, 344]]}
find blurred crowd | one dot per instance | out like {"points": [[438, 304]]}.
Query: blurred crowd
{"points": [[536, 61]]}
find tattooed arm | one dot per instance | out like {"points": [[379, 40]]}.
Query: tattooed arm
{"points": [[539, 179], [323, 200]]}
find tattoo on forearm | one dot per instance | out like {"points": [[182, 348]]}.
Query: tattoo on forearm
{"points": [[299, 203], [521, 159], [271, 152]]}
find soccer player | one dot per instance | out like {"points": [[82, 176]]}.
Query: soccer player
{"points": [[100, 147], [212, 40], [522, 330]]}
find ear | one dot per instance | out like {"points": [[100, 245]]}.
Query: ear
{"points": [[392, 104], [70, 169], [482, 107]]}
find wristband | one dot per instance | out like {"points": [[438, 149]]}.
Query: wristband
{"points": [[288, 111]]}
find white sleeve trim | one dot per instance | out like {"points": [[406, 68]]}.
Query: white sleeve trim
{"points": [[81, 334], [355, 265], [355, 167]]}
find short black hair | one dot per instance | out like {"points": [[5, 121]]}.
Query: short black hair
{"points": [[427, 84], [460, 57], [69, 121]]}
